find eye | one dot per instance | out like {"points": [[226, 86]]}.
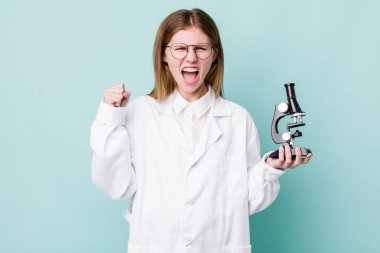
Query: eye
{"points": [[201, 47], [179, 48]]}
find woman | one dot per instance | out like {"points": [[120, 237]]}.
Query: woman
{"points": [[189, 159]]}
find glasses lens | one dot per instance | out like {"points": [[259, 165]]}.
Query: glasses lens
{"points": [[179, 51], [203, 51]]}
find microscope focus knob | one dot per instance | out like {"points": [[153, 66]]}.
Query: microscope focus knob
{"points": [[286, 136], [283, 107]]}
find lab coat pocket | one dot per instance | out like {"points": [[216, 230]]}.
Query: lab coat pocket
{"points": [[134, 248], [234, 177], [243, 249]]}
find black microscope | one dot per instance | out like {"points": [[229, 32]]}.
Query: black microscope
{"points": [[292, 109]]}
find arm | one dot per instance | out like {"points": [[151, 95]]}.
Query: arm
{"points": [[263, 184], [112, 168]]}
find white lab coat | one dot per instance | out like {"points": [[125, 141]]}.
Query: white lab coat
{"points": [[182, 201]]}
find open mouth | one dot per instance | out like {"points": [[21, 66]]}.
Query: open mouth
{"points": [[190, 75]]}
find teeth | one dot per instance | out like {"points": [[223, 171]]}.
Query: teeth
{"points": [[190, 69]]}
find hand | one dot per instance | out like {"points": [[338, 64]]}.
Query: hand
{"points": [[116, 96], [285, 161]]}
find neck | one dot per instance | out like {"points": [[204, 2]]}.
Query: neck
{"points": [[200, 92]]}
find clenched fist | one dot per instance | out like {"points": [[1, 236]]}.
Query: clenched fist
{"points": [[116, 96]]}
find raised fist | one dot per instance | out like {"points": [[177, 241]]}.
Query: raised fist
{"points": [[116, 96]]}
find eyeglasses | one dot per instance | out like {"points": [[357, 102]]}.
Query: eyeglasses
{"points": [[180, 50]]}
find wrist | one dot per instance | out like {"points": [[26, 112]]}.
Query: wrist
{"points": [[265, 160]]}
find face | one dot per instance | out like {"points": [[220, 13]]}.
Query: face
{"points": [[189, 72]]}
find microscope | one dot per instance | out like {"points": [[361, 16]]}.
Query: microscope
{"points": [[292, 109]]}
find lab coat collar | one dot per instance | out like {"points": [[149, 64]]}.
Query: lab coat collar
{"points": [[179, 103], [200, 106], [211, 133], [218, 104]]}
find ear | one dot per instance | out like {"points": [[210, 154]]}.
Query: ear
{"points": [[164, 58]]}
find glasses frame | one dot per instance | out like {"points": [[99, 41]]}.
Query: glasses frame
{"points": [[187, 50]]}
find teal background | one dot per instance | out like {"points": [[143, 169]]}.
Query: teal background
{"points": [[56, 57]]}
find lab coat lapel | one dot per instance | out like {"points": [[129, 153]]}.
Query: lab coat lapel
{"points": [[212, 131], [209, 136]]}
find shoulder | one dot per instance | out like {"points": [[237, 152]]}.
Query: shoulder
{"points": [[144, 99], [142, 102], [233, 108], [239, 114], [141, 107]]}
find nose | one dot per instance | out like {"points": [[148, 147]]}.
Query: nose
{"points": [[191, 55]]}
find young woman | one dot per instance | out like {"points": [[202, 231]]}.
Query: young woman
{"points": [[189, 159]]}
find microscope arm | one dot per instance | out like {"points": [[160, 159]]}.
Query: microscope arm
{"points": [[278, 115]]}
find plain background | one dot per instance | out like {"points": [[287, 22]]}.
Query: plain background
{"points": [[56, 57]]}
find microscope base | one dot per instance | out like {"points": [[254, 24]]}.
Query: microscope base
{"points": [[304, 152]]}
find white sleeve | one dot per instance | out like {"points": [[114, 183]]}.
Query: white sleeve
{"points": [[263, 184], [112, 169]]}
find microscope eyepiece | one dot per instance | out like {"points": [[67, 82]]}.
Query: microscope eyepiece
{"points": [[292, 100]]}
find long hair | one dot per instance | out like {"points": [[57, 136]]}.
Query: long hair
{"points": [[181, 20]]}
